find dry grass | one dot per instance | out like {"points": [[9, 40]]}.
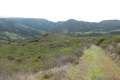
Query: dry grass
{"points": [[17, 76]]}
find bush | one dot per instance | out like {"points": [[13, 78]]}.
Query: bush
{"points": [[47, 75], [11, 58]]}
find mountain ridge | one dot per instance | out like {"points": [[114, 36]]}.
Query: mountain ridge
{"points": [[35, 27]]}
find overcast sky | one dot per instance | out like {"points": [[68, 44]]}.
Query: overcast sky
{"points": [[57, 10]]}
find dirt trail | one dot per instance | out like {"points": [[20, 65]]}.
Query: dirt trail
{"points": [[93, 65]]}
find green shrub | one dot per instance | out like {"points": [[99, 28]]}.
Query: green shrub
{"points": [[40, 54]]}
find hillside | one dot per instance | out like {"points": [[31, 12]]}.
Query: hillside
{"points": [[20, 28], [61, 57], [38, 49], [93, 65], [41, 54], [27, 28]]}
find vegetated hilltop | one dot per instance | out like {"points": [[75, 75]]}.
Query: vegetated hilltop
{"points": [[27, 28]]}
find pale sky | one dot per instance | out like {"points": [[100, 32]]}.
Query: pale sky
{"points": [[58, 10]]}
